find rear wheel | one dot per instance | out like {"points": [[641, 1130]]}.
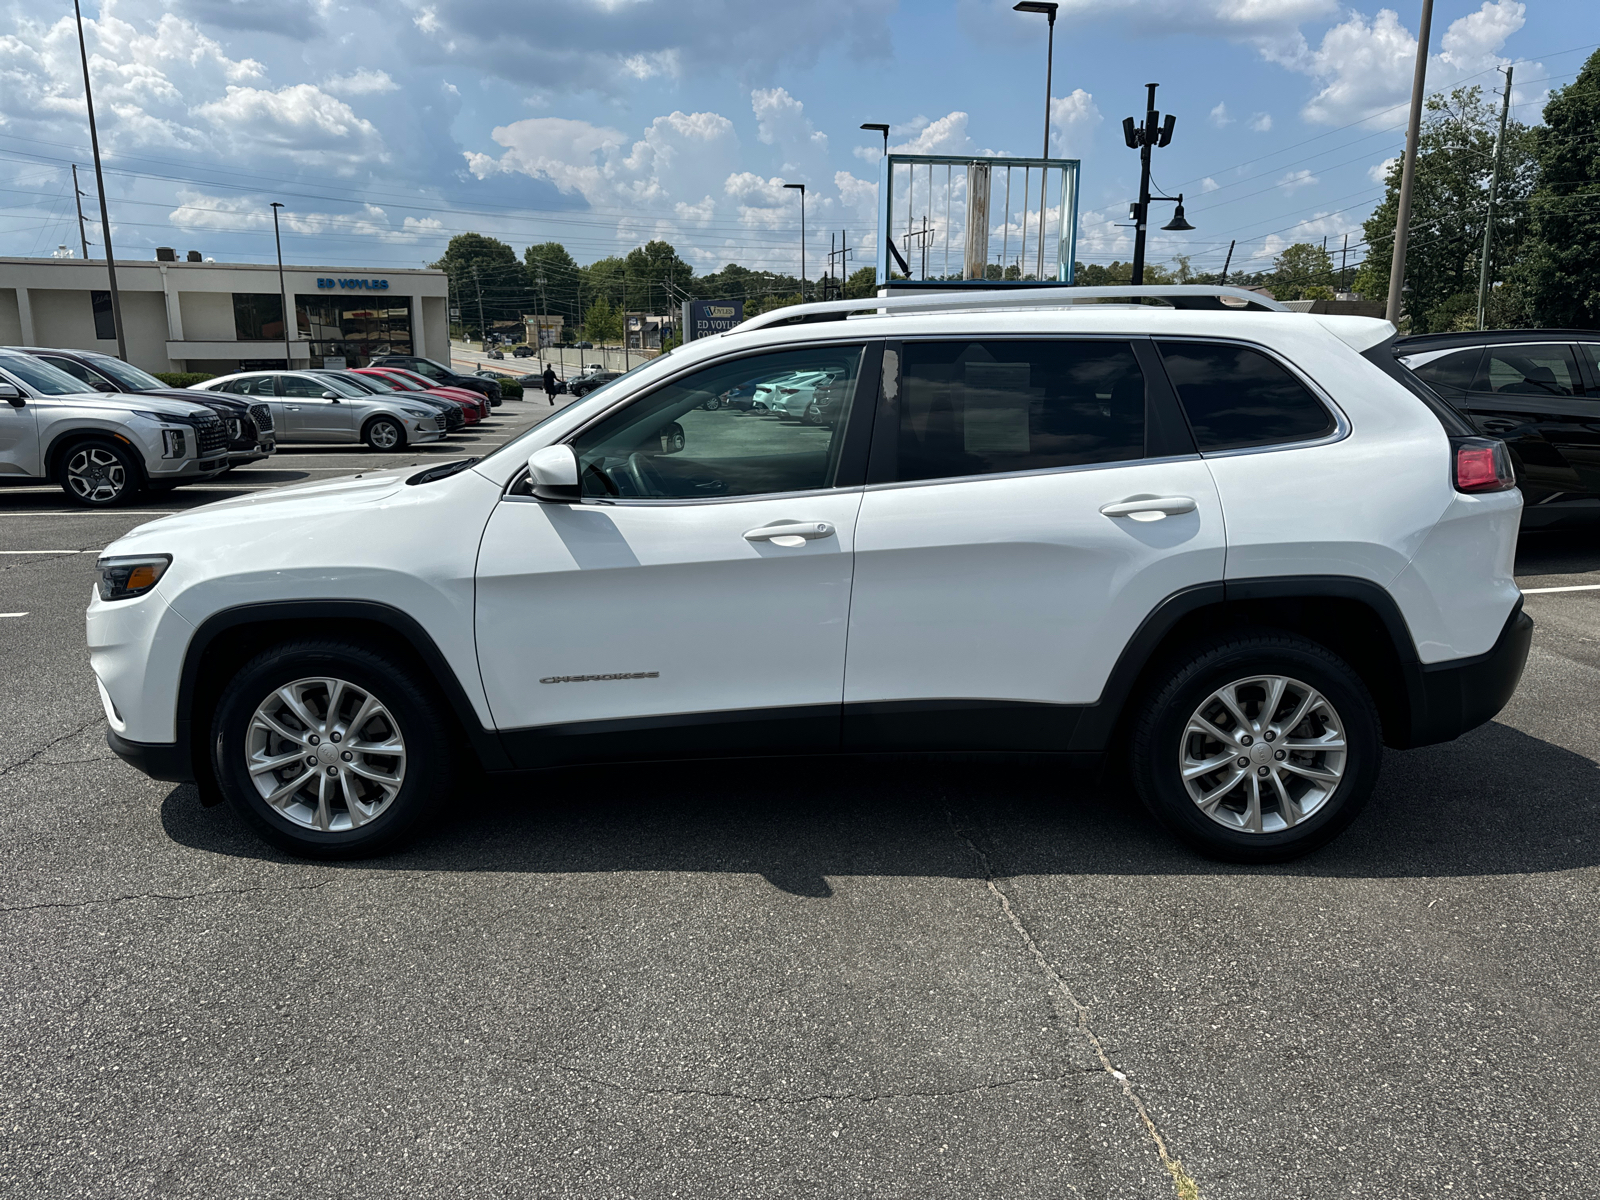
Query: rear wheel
{"points": [[384, 433], [330, 749], [98, 473], [1258, 748]]}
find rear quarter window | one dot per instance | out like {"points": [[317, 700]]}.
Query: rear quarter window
{"points": [[1237, 397]]}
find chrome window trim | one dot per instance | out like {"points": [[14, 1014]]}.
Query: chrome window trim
{"points": [[683, 501], [1114, 465], [1342, 427]]}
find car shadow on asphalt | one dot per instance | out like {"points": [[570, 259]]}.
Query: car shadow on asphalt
{"points": [[1496, 801]]}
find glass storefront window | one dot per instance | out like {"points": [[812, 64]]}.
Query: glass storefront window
{"points": [[353, 329], [257, 316]]}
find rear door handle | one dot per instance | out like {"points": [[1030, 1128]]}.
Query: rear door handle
{"points": [[789, 533], [1149, 508]]}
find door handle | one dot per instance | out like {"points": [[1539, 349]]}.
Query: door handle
{"points": [[789, 533], [1149, 508]]}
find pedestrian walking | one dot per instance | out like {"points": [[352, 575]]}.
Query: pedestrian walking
{"points": [[550, 382]]}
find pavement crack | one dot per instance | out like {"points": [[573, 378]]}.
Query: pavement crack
{"points": [[22, 762], [178, 897], [823, 1097], [1182, 1181]]}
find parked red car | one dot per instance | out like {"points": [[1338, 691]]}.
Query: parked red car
{"points": [[470, 413], [412, 382]]}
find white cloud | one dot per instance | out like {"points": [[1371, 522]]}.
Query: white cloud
{"points": [[1071, 117], [1219, 115], [781, 121], [1261, 122], [1294, 180], [302, 122], [1209, 184], [360, 83], [1379, 172]]}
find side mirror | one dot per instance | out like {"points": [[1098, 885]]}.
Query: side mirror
{"points": [[334, 396], [11, 395], [553, 472]]}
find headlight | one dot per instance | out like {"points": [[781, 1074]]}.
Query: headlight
{"points": [[174, 444], [416, 412], [124, 576]]}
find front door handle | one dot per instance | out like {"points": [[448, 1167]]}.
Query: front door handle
{"points": [[789, 533], [1149, 508]]}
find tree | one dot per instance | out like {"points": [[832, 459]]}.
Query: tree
{"points": [[1563, 266], [602, 323], [484, 269], [861, 283], [559, 293], [646, 271], [1298, 270], [1102, 275], [1449, 204]]}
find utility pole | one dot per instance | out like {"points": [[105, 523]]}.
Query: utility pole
{"points": [[1226, 263], [1146, 138], [483, 330], [1488, 224], [283, 298], [100, 186], [1344, 256], [1402, 216], [802, 190], [78, 196]]}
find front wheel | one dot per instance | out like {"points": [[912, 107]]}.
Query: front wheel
{"points": [[1257, 748], [384, 433], [98, 473], [330, 749]]}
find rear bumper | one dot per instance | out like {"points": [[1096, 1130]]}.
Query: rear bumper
{"points": [[167, 761], [1449, 698]]}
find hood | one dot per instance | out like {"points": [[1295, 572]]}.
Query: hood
{"points": [[316, 497], [128, 402]]}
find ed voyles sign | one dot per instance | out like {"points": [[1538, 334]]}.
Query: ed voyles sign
{"points": [[371, 285], [712, 316]]}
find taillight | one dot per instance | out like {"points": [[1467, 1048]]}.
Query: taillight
{"points": [[1482, 465]]}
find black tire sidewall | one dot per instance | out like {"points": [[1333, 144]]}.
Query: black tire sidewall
{"points": [[1165, 714], [130, 468], [422, 724]]}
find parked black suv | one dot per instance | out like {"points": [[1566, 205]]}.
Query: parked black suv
{"points": [[1536, 389], [251, 436], [440, 373]]}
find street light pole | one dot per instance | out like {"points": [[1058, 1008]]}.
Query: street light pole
{"points": [[1145, 138], [283, 294], [1488, 223], [1402, 216], [100, 186], [883, 129], [1049, 11], [802, 189]]}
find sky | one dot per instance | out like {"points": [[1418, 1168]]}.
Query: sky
{"points": [[386, 126]]}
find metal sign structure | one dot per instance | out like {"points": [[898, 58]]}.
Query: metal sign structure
{"points": [[961, 220], [702, 318]]}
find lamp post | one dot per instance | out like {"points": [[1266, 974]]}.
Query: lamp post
{"points": [[100, 186], [1049, 11], [1402, 214], [802, 189], [883, 129], [283, 294], [1146, 138]]}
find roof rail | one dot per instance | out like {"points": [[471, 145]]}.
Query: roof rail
{"points": [[1178, 295]]}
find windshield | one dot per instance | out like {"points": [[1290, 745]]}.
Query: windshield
{"points": [[360, 382], [344, 387], [128, 376], [381, 383], [42, 377]]}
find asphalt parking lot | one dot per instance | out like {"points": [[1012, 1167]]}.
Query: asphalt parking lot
{"points": [[880, 977]]}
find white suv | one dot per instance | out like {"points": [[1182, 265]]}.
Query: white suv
{"points": [[1239, 550], [102, 448]]}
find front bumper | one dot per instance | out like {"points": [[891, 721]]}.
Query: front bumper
{"points": [[1448, 698]]}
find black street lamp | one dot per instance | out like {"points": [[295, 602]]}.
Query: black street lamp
{"points": [[1049, 10], [1144, 138], [802, 188], [883, 129]]}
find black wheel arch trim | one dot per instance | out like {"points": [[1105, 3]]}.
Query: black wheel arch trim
{"points": [[54, 454], [484, 742]]}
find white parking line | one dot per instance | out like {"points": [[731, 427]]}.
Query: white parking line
{"points": [[49, 552], [1576, 587], [13, 614], [95, 512]]}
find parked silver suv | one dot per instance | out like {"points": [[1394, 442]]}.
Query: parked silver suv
{"points": [[102, 448], [310, 406]]}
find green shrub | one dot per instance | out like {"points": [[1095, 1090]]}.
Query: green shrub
{"points": [[510, 389], [182, 379]]}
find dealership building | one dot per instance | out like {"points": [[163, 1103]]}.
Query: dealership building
{"points": [[220, 317]]}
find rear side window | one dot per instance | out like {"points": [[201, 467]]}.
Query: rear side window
{"points": [[982, 407], [1237, 397], [1538, 370], [1453, 372]]}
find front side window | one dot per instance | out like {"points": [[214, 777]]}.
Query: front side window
{"points": [[42, 377], [304, 387], [432, 370], [105, 321], [1538, 370], [982, 407], [684, 440], [1236, 396]]}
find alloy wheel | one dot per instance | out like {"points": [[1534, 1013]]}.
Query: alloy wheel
{"points": [[325, 754], [1262, 754], [385, 436], [96, 475]]}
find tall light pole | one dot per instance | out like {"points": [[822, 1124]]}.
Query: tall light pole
{"points": [[883, 129], [1488, 224], [100, 186], [802, 188], [1049, 10], [283, 295], [1146, 138], [1402, 216]]}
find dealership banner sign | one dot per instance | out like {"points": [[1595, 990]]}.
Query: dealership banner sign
{"points": [[712, 316]]}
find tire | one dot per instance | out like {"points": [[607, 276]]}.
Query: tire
{"points": [[394, 795], [811, 416], [98, 473], [384, 433], [712, 404], [1325, 788]]}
